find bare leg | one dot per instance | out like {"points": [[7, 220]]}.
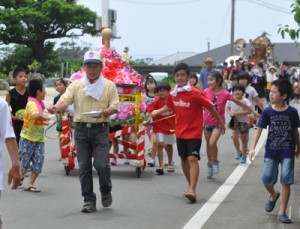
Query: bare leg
{"points": [[193, 173], [213, 144], [169, 149], [160, 151], [208, 150], [272, 192], [285, 196], [186, 170], [154, 146], [235, 139], [244, 140], [32, 179]]}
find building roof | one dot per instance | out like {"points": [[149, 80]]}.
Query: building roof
{"points": [[282, 51], [172, 59]]}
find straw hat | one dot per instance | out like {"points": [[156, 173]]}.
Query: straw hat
{"points": [[209, 60]]}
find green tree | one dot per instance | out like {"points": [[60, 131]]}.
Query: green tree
{"points": [[292, 32], [33, 23]]}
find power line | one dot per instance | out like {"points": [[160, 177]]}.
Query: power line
{"points": [[270, 6], [161, 2]]}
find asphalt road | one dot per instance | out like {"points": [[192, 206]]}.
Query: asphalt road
{"points": [[150, 201]]}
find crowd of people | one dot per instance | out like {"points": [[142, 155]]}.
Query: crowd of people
{"points": [[246, 91]]}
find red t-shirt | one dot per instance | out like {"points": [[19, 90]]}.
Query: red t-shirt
{"points": [[166, 125], [188, 107]]}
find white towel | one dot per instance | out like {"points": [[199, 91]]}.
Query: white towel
{"points": [[177, 89], [95, 89]]}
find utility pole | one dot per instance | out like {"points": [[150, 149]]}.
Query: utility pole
{"points": [[232, 26], [105, 8]]}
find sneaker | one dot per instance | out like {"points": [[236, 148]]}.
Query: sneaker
{"points": [[237, 156], [284, 219], [209, 173], [160, 172], [243, 159], [88, 207], [113, 161], [106, 199], [270, 205], [215, 166], [151, 163]]}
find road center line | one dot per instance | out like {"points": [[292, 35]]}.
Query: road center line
{"points": [[204, 213]]}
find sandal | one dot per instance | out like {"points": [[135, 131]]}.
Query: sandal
{"points": [[32, 189], [170, 168], [21, 181], [190, 196]]}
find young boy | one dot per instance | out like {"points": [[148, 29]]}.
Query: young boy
{"points": [[31, 147], [282, 145], [187, 102], [241, 130], [163, 127], [17, 99]]}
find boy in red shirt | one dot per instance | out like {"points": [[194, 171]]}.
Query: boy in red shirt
{"points": [[187, 103], [163, 127]]}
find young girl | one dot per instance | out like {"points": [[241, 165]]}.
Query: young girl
{"points": [[149, 97], [31, 146], [17, 99], [241, 129], [60, 87], [219, 97]]}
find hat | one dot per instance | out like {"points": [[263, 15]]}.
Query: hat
{"points": [[209, 60], [91, 57], [272, 67]]}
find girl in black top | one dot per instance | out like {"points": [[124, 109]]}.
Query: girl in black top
{"points": [[17, 99]]}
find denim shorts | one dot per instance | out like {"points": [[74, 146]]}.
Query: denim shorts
{"points": [[243, 127], [208, 128], [271, 170]]}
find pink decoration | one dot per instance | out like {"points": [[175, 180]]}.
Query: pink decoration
{"points": [[118, 70]]}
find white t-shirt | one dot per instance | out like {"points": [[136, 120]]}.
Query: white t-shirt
{"points": [[236, 108], [6, 131], [250, 94]]}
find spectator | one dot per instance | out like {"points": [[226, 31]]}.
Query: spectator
{"points": [[205, 72]]}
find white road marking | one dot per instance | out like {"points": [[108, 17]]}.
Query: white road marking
{"points": [[204, 213]]}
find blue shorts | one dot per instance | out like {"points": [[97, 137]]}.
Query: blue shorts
{"points": [[208, 128], [271, 170], [33, 152]]}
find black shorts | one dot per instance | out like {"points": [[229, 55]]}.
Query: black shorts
{"points": [[115, 128], [188, 147]]}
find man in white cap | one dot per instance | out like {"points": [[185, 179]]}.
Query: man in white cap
{"points": [[94, 99], [205, 72]]}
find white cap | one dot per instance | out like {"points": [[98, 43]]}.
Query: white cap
{"points": [[91, 57]]}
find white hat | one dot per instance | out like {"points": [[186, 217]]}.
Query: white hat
{"points": [[91, 57], [272, 67]]}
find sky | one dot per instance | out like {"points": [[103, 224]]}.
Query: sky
{"points": [[158, 28]]}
